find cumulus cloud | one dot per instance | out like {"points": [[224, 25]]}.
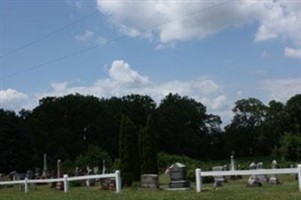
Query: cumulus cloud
{"points": [[282, 89], [121, 72], [179, 20], [12, 99], [172, 21], [292, 53]]}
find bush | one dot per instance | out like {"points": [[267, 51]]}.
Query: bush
{"points": [[290, 147], [93, 157]]}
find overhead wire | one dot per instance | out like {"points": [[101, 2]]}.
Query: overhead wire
{"points": [[109, 41], [48, 35]]}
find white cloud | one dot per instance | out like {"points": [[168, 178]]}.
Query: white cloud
{"points": [[86, 37], [172, 20], [282, 89], [179, 20], [292, 53], [121, 72], [12, 99]]}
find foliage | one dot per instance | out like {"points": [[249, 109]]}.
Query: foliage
{"points": [[93, 157], [293, 109], [148, 149], [249, 115], [15, 145], [128, 152], [181, 125], [65, 127], [290, 147]]}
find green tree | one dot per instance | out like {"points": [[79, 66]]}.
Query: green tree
{"points": [[128, 152], [290, 147], [293, 109], [273, 127], [64, 127], [137, 108], [181, 125], [148, 149], [15, 148], [243, 132]]}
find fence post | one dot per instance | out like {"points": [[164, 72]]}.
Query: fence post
{"points": [[118, 181], [26, 185], [299, 177], [66, 186], [198, 180]]}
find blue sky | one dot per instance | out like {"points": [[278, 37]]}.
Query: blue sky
{"points": [[213, 51]]}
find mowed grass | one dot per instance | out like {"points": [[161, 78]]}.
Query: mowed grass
{"points": [[234, 189]]}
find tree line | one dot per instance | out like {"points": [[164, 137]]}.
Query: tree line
{"points": [[68, 127]]}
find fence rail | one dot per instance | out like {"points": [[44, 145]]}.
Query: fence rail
{"points": [[66, 180], [199, 174]]}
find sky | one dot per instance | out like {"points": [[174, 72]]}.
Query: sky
{"points": [[215, 51]]}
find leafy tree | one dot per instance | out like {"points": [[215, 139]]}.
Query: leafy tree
{"points": [[290, 147], [147, 147], [128, 152], [273, 127], [242, 134], [293, 109], [181, 125], [137, 108], [15, 145], [64, 127], [213, 123]]}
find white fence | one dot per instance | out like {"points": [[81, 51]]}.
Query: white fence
{"points": [[199, 174], [66, 180]]}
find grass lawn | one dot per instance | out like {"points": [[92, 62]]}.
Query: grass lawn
{"points": [[234, 189]]}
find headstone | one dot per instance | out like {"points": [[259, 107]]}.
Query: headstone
{"points": [[218, 180], [90, 182], [103, 167], [178, 180], [59, 185], [232, 163], [253, 180], [18, 177], [262, 178], [274, 178], [45, 168], [108, 184], [149, 181], [52, 176], [95, 169], [30, 175], [77, 172], [37, 172]]}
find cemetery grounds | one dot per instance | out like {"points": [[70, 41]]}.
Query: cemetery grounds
{"points": [[233, 189]]}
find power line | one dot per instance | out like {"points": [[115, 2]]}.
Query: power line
{"points": [[48, 35], [108, 42]]}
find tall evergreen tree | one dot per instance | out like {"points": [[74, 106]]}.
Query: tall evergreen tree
{"points": [[147, 147], [128, 152]]}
